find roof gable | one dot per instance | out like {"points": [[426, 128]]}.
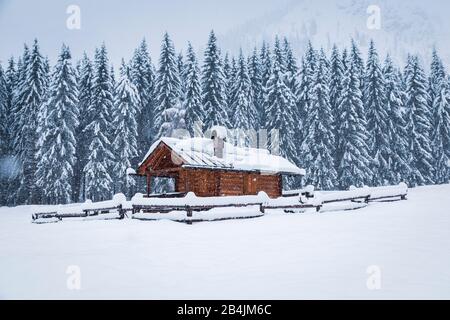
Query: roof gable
{"points": [[161, 158]]}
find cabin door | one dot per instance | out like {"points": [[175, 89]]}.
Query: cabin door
{"points": [[250, 183]]}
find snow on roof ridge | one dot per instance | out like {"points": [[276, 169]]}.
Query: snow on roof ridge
{"points": [[198, 152]]}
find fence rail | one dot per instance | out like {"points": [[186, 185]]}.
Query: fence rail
{"points": [[190, 203]]}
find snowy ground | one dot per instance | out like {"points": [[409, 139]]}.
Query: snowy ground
{"points": [[293, 256]]}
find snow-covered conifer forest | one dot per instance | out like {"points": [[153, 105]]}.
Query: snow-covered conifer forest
{"points": [[71, 128]]}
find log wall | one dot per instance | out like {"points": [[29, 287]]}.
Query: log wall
{"points": [[227, 183]]}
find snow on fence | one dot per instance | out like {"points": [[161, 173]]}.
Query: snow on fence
{"points": [[112, 208], [191, 208], [181, 209]]}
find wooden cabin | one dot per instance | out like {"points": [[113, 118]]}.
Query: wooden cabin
{"points": [[214, 167]]}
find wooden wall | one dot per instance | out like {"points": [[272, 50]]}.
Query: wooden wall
{"points": [[227, 183]]}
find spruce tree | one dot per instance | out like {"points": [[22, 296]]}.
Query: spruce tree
{"points": [[11, 84], [213, 86], [279, 108], [4, 136], [441, 132], [278, 55], [99, 130], [266, 69], [377, 119], [336, 78], [125, 135], [303, 98], [29, 98], [4, 129], [396, 125], [352, 149], [180, 66], [355, 56], [229, 70], [291, 66], [193, 96], [168, 108], [437, 75], [418, 124], [144, 78], [85, 99], [17, 77], [303, 94], [56, 154], [318, 146], [255, 74], [244, 120]]}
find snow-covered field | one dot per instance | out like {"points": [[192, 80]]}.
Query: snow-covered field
{"points": [[292, 256]]}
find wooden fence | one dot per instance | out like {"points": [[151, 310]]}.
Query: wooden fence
{"points": [[156, 205]]}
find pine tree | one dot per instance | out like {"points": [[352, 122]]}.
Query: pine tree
{"points": [[213, 86], [144, 79], [355, 56], [396, 125], [318, 147], [303, 93], [441, 132], [418, 124], [85, 98], [244, 120], [266, 69], [279, 107], [345, 61], [255, 74], [11, 84], [335, 86], [193, 96], [377, 119], [291, 66], [125, 125], [229, 70], [17, 77], [29, 98], [278, 55], [303, 98], [4, 136], [167, 115], [180, 66], [352, 149], [99, 130], [437, 74], [56, 155], [4, 129]]}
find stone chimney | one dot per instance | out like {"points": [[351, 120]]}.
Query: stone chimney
{"points": [[219, 136]]}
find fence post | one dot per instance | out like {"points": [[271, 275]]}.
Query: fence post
{"points": [[261, 208], [189, 214]]}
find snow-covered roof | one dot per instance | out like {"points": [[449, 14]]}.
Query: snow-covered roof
{"points": [[199, 153]]}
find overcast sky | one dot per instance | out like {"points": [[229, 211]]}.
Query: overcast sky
{"points": [[121, 24]]}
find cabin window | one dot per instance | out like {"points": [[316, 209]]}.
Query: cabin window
{"points": [[163, 185]]}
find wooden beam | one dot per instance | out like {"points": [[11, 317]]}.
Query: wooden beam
{"points": [[149, 184]]}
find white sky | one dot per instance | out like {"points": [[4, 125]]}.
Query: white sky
{"points": [[121, 24]]}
